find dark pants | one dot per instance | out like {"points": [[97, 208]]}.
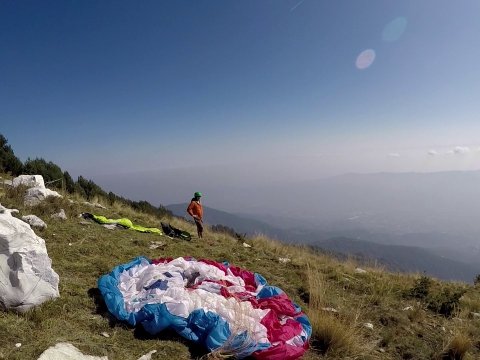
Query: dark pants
{"points": [[199, 228]]}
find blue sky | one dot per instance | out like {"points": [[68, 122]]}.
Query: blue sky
{"points": [[269, 89]]}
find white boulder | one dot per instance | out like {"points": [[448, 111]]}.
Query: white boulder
{"points": [[26, 276], [66, 351], [29, 181], [34, 221], [37, 192], [36, 195]]}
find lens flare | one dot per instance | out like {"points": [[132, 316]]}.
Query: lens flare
{"points": [[365, 59], [394, 29]]}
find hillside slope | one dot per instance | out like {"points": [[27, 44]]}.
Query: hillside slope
{"points": [[405, 312], [403, 258]]}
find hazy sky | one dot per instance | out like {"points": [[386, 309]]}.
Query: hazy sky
{"points": [[272, 89]]}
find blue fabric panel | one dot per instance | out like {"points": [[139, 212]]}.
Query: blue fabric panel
{"points": [[159, 284], [269, 291], [297, 308], [108, 286], [303, 320], [156, 318], [259, 279]]}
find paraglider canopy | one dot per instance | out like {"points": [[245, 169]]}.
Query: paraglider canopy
{"points": [[217, 305]]}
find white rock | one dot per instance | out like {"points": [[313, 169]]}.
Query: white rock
{"points": [[156, 245], [408, 308], [66, 351], [17, 345], [368, 326], [245, 245], [330, 309], [60, 215], [4, 210], [26, 276], [360, 271], [284, 260], [37, 191], [29, 181], [147, 356], [34, 221], [110, 226], [36, 195], [105, 334]]}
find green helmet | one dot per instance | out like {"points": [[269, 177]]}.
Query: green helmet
{"points": [[197, 194]]}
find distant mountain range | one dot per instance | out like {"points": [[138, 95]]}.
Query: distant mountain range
{"points": [[403, 258], [394, 257]]}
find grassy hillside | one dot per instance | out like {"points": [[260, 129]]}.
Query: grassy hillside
{"points": [[439, 324], [403, 258]]}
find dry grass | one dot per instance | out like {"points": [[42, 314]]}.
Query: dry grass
{"points": [[457, 347], [334, 335]]}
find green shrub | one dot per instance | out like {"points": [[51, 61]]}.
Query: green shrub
{"points": [[445, 302], [421, 288], [476, 281]]}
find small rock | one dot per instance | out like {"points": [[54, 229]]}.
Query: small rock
{"points": [[284, 260], [110, 226], [382, 350], [34, 221], [60, 215], [17, 345], [147, 356], [443, 328], [105, 334], [408, 308], [330, 309], [245, 245], [156, 245], [66, 351], [100, 206], [368, 326], [70, 244], [360, 271]]}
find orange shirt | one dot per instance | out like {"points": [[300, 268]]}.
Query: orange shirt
{"points": [[195, 208]]}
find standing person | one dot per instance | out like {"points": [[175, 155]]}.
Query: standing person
{"points": [[195, 210]]}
